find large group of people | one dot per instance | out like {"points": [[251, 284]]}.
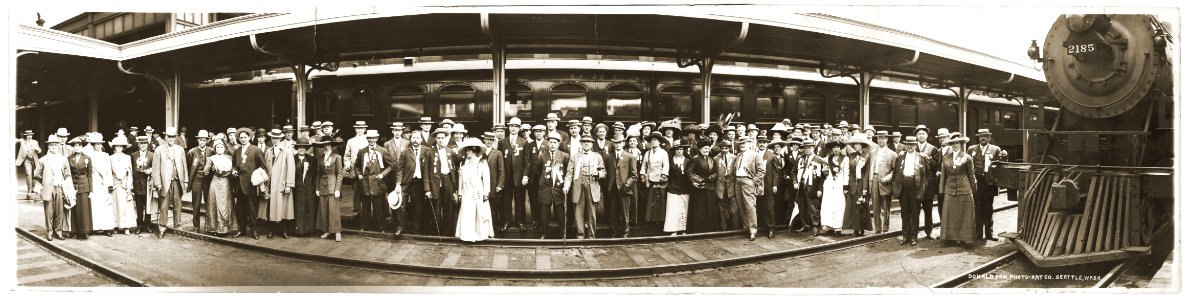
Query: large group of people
{"points": [[439, 178]]}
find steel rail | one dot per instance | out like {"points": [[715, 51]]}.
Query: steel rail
{"points": [[965, 277], [86, 262]]}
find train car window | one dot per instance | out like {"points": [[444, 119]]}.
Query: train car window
{"points": [[996, 118], [624, 102], [848, 109], [880, 112], [569, 101], [1011, 120], [361, 102], [676, 101], [811, 107], [327, 101], [724, 100], [952, 115], [907, 113], [770, 105], [456, 101], [406, 103], [520, 101], [983, 115]]}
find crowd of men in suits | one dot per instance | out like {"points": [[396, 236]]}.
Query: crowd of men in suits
{"points": [[682, 178]]}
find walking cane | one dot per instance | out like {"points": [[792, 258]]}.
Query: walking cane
{"points": [[434, 214]]}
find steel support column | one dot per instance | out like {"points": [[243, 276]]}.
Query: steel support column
{"points": [[499, 61], [704, 67], [964, 94], [13, 71], [173, 101], [865, 97], [300, 86], [92, 105]]}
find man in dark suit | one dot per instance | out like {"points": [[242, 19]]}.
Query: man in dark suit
{"points": [[372, 164], [553, 184], [495, 160], [807, 186], [512, 147], [931, 177], [621, 189], [142, 165], [409, 177], [439, 172], [982, 156], [773, 179], [200, 183], [529, 156], [246, 159], [907, 178]]}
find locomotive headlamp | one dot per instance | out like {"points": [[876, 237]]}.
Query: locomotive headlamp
{"points": [[1080, 23], [1159, 39], [1034, 51]]}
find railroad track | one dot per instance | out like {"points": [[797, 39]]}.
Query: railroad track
{"points": [[1014, 268], [548, 259], [70, 265]]}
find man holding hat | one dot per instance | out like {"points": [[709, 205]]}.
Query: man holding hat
{"points": [[982, 155], [169, 180], [27, 158], [553, 183], [57, 187], [200, 182], [247, 158], [410, 176], [882, 166], [372, 164], [908, 180], [439, 171]]}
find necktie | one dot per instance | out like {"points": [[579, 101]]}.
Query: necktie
{"points": [[417, 163]]}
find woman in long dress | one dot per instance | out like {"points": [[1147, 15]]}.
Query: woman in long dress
{"points": [[122, 200], [219, 205], [958, 187], [704, 207], [833, 199], [855, 213], [330, 180], [677, 193], [475, 215], [103, 213]]}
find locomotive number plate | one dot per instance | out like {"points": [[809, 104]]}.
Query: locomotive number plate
{"points": [[1081, 48]]}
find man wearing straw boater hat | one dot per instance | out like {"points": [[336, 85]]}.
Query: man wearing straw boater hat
{"points": [[373, 163], [200, 182], [982, 156], [882, 166], [169, 179], [27, 158], [399, 141], [438, 171], [513, 148], [57, 191], [359, 141], [909, 172], [552, 165]]}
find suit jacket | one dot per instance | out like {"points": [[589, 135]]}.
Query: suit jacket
{"points": [[549, 167], [330, 174], [305, 174], [679, 176], [897, 174], [407, 164], [396, 146], [169, 163], [753, 166], [980, 158], [434, 180], [882, 160], [496, 171], [247, 159], [378, 164], [28, 152], [725, 178], [80, 169], [54, 169], [514, 160], [624, 177], [198, 163], [140, 171], [772, 175], [957, 179], [931, 176]]}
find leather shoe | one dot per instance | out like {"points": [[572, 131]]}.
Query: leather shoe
{"points": [[254, 236], [770, 234], [49, 237], [109, 233], [904, 241], [929, 237], [397, 234], [991, 238], [913, 242], [284, 235], [752, 236]]}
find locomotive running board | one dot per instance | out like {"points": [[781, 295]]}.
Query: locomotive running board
{"points": [[1074, 259]]}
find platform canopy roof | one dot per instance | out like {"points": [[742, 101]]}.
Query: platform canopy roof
{"points": [[833, 44]]}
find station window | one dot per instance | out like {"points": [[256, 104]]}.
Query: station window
{"points": [[623, 102], [456, 101], [676, 101], [406, 103], [811, 107], [724, 101], [907, 113], [880, 112], [361, 101], [848, 109], [770, 105], [520, 101], [569, 101]]}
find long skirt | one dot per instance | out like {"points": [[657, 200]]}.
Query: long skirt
{"points": [[305, 210], [328, 214], [103, 213], [124, 205], [833, 204], [958, 218], [704, 208], [676, 206], [80, 214], [219, 206], [655, 211], [855, 215], [475, 220]]}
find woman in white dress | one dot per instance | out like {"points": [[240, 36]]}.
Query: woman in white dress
{"points": [[122, 200], [103, 213], [833, 200], [219, 206], [475, 215]]}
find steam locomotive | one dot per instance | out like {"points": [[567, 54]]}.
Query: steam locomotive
{"points": [[1102, 189]]}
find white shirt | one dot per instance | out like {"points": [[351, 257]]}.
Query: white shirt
{"points": [[910, 163]]}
